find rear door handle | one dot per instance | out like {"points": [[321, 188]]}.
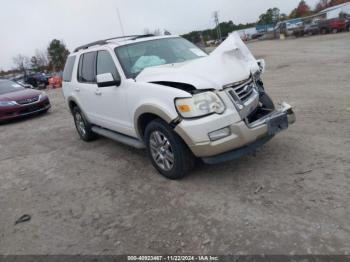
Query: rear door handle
{"points": [[77, 89], [98, 92]]}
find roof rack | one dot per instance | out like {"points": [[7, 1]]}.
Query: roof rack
{"points": [[105, 41]]}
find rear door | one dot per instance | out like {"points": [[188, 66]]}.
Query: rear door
{"points": [[86, 85]]}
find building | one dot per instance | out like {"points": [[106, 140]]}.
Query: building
{"points": [[334, 11]]}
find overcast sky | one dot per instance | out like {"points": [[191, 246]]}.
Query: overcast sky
{"points": [[27, 25]]}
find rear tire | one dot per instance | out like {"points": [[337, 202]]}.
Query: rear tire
{"points": [[166, 150], [83, 126]]}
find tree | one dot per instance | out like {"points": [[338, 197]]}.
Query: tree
{"points": [[301, 11], [272, 16], [211, 34], [337, 2], [283, 17], [21, 62], [39, 62], [41, 56], [322, 4], [57, 54]]}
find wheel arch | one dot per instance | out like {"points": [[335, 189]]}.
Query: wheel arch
{"points": [[145, 114], [72, 102]]}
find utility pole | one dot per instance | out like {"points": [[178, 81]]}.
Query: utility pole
{"points": [[217, 23]]}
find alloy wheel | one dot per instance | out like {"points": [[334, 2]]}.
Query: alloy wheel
{"points": [[80, 123], [161, 150]]}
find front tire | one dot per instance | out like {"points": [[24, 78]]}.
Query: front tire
{"points": [[166, 150], [83, 126]]}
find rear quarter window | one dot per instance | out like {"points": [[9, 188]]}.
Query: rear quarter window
{"points": [[68, 69]]}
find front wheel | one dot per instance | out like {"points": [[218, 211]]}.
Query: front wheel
{"points": [[166, 150], [82, 125]]}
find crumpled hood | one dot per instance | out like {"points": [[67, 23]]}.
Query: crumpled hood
{"points": [[229, 63]]}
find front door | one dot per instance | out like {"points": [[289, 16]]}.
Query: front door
{"points": [[111, 111]]}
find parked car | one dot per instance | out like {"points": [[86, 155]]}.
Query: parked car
{"points": [[311, 29], [258, 35], [17, 101], [332, 25], [347, 24], [299, 31], [168, 96], [38, 80], [24, 84]]}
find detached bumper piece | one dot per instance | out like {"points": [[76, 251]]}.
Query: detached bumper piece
{"points": [[236, 153]]}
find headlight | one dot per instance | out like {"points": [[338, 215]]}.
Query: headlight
{"points": [[42, 95], [199, 105], [7, 103]]}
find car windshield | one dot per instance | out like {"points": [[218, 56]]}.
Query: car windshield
{"points": [[7, 86], [138, 56]]}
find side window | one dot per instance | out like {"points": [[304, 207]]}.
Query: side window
{"points": [[105, 64], [68, 69], [86, 71]]}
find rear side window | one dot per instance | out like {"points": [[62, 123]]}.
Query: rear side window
{"points": [[86, 70], [68, 69], [105, 64]]}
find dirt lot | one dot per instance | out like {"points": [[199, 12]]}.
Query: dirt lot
{"points": [[290, 197]]}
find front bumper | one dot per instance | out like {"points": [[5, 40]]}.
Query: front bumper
{"points": [[244, 137], [24, 110]]}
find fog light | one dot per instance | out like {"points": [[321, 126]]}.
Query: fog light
{"points": [[219, 134]]}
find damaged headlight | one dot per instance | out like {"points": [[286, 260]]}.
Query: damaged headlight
{"points": [[198, 105]]}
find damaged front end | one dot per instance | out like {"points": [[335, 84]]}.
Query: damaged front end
{"points": [[227, 112]]}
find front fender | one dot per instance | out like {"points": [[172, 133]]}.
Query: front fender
{"points": [[151, 108]]}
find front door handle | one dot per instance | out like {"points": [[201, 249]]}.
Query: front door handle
{"points": [[77, 89], [98, 92]]}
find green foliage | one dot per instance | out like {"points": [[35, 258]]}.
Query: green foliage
{"points": [[272, 16], [57, 54], [211, 34]]}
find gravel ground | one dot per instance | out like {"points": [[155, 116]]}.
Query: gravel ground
{"points": [[290, 197]]}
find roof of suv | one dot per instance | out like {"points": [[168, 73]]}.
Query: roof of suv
{"points": [[123, 40]]}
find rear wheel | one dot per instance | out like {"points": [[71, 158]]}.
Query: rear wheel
{"points": [[82, 125], [166, 150]]}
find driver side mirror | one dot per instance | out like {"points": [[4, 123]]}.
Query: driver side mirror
{"points": [[107, 79]]}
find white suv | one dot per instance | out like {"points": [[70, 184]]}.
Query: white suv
{"points": [[170, 97]]}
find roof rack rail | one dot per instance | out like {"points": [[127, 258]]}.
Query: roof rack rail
{"points": [[105, 41], [142, 36]]}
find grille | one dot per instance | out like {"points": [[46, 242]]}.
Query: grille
{"points": [[241, 91], [28, 100]]}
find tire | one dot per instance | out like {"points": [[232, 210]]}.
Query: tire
{"points": [[166, 150], [82, 125]]}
